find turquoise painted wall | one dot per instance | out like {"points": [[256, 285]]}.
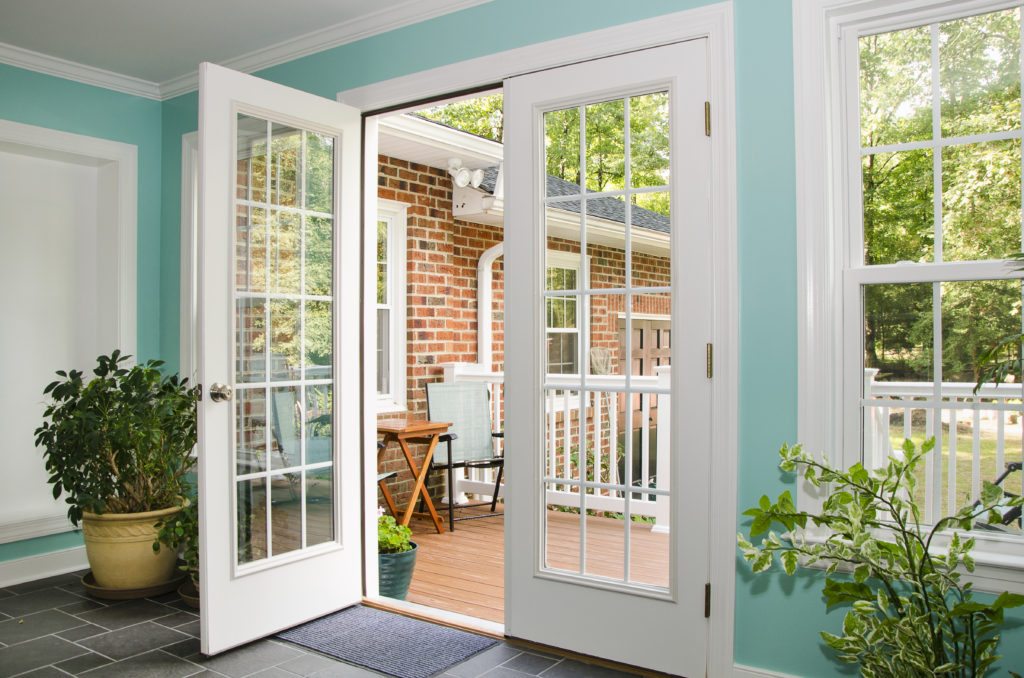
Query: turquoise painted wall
{"points": [[777, 618], [37, 99]]}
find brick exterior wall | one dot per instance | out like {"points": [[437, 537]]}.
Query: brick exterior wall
{"points": [[441, 276]]}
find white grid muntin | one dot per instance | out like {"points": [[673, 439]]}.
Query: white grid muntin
{"points": [[579, 383], [267, 384]]}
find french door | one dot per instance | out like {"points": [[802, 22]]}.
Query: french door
{"points": [[278, 245], [612, 161]]}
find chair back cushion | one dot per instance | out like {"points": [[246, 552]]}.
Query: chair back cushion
{"points": [[467, 406]]}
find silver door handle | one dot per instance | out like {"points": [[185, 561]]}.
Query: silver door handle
{"points": [[220, 392]]}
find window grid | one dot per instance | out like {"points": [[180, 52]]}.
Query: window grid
{"points": [[859, 273]]}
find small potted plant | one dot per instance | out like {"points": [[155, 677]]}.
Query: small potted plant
{"points": [[181, 533], [119, 445], [396, 557]]}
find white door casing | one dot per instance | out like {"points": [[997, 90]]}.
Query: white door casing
{"points": [[663, 630], [242, 602]]}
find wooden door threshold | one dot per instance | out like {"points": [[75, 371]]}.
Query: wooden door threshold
{"points": [[442, 617]]}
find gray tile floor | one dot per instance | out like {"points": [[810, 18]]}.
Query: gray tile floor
{"points": [[51, 627]]}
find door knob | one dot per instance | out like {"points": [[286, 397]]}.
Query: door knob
{"points": [[220, 392]]}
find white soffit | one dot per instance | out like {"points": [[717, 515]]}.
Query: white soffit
{"points": [[152, 48], [432, 144]]}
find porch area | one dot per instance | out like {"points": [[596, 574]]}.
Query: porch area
{"points": [[464, 571]]}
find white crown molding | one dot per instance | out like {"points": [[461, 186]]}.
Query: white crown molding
{"points": [[381, 21], [70, 70]]}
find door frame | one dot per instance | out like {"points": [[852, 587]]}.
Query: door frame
{"points": [[714, 22]]}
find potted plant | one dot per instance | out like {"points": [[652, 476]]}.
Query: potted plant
{"points": [[910, 613], [396, 557], [180, 532], [119, 446]]}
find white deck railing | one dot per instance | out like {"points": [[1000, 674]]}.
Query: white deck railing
{"points": [[998, 409], [564, 415]]}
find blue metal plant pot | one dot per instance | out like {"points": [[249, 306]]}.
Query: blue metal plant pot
{"points": [[395, 572]]}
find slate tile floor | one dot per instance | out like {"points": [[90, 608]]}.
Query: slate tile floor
{"points": [[51, 628]]}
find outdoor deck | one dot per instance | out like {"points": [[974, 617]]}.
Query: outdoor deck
{"points": [[463, 571]]}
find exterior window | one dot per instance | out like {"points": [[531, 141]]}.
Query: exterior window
{"points": [[391, 382], [562, 323], [934, 160]]}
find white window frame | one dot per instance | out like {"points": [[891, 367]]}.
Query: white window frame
{"points": [[570, 261], [396, 214], [829, 244]]}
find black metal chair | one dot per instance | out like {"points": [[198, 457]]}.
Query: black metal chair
{"points": [[470, 440]]}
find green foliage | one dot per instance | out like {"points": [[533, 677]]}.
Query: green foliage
{"points": [[909, 615], [979, 88], [181, 531], [391, 536], [120, 442]]}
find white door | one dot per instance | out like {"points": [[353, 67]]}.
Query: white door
{"points": [[278, 267], [608, 463]]}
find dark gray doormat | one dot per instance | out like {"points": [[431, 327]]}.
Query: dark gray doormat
{"points": [[388, 642]]}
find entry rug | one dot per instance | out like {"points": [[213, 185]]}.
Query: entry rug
{"points": [[388, 642]]}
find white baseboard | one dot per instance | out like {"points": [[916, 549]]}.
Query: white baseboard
{"points": [[741, 671], [44, 565]]}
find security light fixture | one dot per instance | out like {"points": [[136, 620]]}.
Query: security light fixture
{"points": [[463, 176]]}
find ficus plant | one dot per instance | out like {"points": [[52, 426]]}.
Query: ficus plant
{"points": [[911, 614], [120, 441]]}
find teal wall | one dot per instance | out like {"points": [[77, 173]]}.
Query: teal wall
{"points": [[37, 99], [46, 101], [777, 619]]}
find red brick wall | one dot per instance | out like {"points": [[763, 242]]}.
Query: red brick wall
{"points": [[441, 276]]}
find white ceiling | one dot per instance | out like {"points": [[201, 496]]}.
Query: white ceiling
{"points": [[165, 40]]}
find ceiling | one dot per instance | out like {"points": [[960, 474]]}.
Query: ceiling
{"points": [[160, 41]]}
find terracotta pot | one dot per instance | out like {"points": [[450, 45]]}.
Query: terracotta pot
{"points": [[120, 549], [395, 572]]}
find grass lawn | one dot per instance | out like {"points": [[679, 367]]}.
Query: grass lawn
{"points": [[964, 460]]}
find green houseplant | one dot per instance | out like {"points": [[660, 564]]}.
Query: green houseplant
{"points": [[180, 532], [910, 613], [396, 557], [119, 446]]}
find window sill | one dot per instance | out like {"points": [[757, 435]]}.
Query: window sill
{"points": [[387, 406]]}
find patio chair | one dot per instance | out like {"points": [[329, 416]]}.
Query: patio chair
{"points": [[382, 483], [470, 440], [1009, 515]]}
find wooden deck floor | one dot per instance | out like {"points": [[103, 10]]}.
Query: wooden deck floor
{"points": [[463, 571]]}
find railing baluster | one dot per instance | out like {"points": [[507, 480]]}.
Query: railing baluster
{"points": [[932, 473], [645, 443], [1000, 438], [951, 449], [908, 418], [598, 438], [566, 439], [976, 454]]}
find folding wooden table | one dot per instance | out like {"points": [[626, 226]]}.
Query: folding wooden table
{"points": [[404, 430]]}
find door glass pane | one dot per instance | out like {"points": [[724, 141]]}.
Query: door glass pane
{"points": [[608, 344], [562, 151], [284, 319]]}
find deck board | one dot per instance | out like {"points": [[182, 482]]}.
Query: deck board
{"points": [[464, 571]]}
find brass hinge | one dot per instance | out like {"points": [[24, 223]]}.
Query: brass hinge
{"points": [[707, 600], [707, 118], [710, 360]]}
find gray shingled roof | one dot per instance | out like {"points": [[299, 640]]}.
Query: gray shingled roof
{"points": [[612, 209]]}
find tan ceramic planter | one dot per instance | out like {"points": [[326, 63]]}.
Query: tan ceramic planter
{"points": [[120, 549]]}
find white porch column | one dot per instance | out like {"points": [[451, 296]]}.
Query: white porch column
{"points": [[664, 451]]}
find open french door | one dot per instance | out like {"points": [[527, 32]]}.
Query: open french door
{"points": [[278, 245], [609, 557]]}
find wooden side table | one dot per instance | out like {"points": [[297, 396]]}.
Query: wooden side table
{"points": [[403, 431]]}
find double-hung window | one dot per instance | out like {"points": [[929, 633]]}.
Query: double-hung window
{"points": [[904, 274], [562, 314], [391, 296]]}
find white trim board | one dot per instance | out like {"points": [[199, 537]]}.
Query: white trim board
{"points": [[714, 22], [329, 37], [187, 363], [44, 565], [118, 167], [29, 528], [741, 671]]}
